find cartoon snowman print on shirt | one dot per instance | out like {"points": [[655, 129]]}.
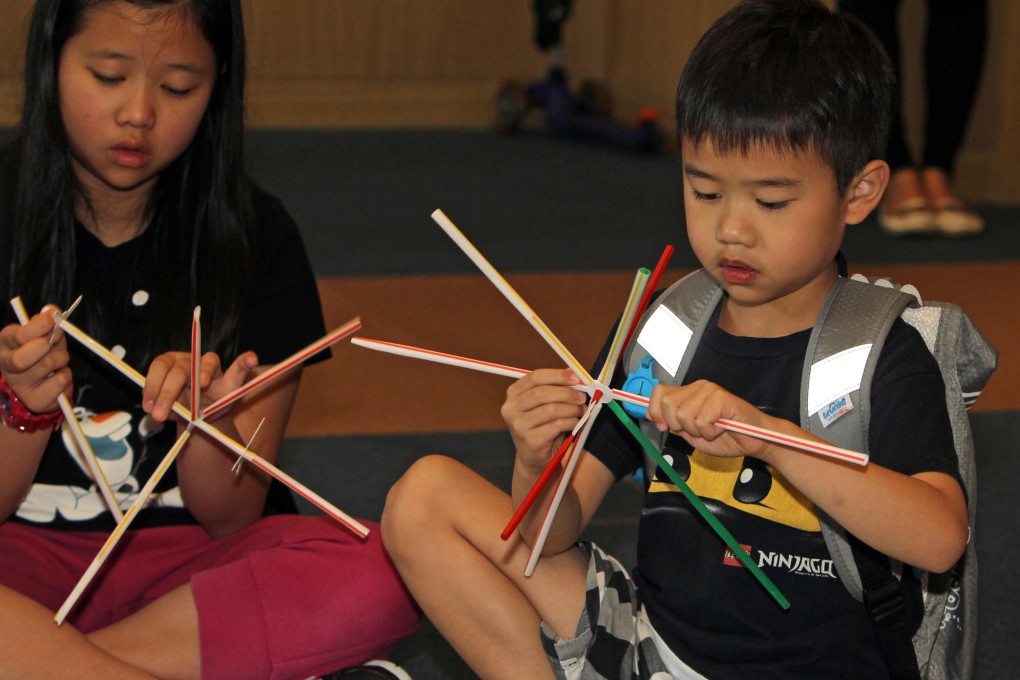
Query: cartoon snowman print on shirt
{"points": [[108, 435]]}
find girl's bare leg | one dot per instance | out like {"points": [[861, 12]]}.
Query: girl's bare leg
{"points": [[441, 526], [33, 646], [161, 639]]}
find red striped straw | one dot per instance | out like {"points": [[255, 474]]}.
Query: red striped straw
{"points": [[196, 365], [282, 367], [619, 395]]}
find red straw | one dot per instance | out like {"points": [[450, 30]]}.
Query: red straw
{"points": [[537, 488], [542, 480]]}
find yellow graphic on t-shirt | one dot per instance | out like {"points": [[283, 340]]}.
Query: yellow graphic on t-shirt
{"points": [[748, 486]]}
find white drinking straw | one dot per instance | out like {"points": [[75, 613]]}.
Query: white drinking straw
{"points": [[516, 300], [125, 522], [63, 314], [561, 488], [270, 469], [236, 468], [84, 448]]}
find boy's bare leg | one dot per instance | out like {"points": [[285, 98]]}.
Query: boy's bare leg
{"points": [[33, 646], [441, 526]]}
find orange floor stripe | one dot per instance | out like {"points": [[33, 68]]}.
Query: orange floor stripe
{"points": [[361, 391]]}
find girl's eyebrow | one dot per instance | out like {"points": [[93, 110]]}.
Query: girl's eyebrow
{"points": [[103, 53], [120, 56]]}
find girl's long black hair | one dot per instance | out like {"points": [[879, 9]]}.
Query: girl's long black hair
{"points": [[199, 211]]}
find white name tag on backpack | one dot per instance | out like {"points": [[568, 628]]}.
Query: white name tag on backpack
{"points": [[665, 337], [833, 379]]}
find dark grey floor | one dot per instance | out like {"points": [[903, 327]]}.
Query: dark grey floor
{"points": [[350, 471], [363, 200]]}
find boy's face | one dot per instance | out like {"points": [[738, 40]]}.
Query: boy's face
{"points": [[767, 227]]}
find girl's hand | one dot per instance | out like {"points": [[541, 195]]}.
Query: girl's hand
{"points": [[169, 380], [691, 411], [539, 409], [34, 361]]}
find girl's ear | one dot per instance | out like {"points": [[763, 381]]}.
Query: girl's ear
{"points": [[866, 191]]}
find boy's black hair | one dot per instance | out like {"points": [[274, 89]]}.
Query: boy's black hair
{"points": [[199, 209], [789, 75]]}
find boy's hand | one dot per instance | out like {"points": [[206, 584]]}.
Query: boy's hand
{"points": [[169, 380], [691, 411], [539, 409], [34, 361]]}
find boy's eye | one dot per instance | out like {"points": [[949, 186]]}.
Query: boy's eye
{"points": [[773, 205]]}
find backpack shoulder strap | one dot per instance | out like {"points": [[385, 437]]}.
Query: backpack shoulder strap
{"points": [[835, 385], [669, 331]]}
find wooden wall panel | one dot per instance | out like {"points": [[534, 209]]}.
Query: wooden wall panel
{"points": [[998, 111], [349, 63], [405, 63], [13, 27]]}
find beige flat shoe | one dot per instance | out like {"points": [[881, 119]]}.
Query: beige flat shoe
{"points": [[953, 218], [913, 216]]}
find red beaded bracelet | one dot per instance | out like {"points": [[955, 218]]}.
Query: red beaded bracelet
{"points": [[16, 415]]}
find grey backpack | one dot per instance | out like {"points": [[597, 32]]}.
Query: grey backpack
{"points": [[848, 336]]}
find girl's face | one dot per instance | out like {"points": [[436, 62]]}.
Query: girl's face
{"points": [[133, 86]]}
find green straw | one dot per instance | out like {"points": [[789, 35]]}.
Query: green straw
{"points": [[713, 522]]}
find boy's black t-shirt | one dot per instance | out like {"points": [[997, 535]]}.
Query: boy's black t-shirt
{"points": [[706, 606]]}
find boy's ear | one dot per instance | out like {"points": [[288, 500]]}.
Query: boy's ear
{"points": [[865, 192]]}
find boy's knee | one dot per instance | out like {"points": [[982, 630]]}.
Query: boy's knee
{"points": [[408, 501]]}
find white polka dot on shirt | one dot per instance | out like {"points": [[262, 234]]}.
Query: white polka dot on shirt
{"points": [[140, 298]]}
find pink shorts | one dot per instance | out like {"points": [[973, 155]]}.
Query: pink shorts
{"points": [[288, 597]]}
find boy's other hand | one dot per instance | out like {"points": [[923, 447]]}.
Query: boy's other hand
{"points": [[539, 409]]}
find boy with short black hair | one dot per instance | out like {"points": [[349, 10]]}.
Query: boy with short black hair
{"points": [[782, 113]]}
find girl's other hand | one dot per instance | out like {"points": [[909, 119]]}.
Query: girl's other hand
{"points": [[35, 363], [539, 409], [169, 380]]}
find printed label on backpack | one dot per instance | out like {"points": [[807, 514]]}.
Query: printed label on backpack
{"points": [[835, 410]]}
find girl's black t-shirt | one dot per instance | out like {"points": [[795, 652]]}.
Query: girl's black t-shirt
{"points": [[283, 314]]}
